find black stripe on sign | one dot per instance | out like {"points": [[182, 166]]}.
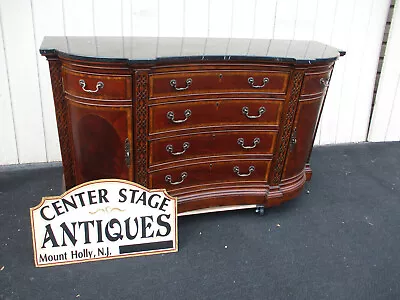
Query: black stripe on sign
{"points": [[146, 247]]}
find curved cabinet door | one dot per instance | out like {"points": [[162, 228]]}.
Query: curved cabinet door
{"points": [[302, 136], [102, 141]]}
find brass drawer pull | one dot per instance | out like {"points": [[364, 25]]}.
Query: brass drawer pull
{"points": [[99, 86], [171, 116], [168, 178], [251, 82], [240, 141], [261, 111], [188, 83], [127, 153], [324, 82], [293, 139], [170, 148], [236, 170]]}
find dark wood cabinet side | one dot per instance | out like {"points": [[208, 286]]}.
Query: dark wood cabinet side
{"points": [[301, 137], [63, 122]]}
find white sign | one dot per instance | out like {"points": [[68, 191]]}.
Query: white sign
{"points": [[103, 219]]}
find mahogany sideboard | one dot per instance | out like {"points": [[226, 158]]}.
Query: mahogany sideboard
{"points": [[218, 123]]}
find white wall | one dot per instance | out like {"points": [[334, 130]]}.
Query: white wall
{"points": [[28, 131], [385, 123]]}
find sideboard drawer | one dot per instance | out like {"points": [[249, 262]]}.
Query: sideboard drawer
{"points": [[98, 86], [315, 83], [204, 173], [174, 84], [210, 144], [195, 114]]}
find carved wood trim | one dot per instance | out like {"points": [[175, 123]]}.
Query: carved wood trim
{"points": [[62, 115], [141, 126], [286, 125]]}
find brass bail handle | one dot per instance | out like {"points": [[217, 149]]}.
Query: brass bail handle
{"points": [[261, 111], [171, 116], [99, 86], [237, 171], [168, 178], [188, 83]]}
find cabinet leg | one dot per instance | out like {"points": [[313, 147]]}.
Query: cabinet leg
{"points": [[260, 210]]}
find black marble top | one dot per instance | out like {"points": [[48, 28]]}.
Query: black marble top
{"points": [[147, 49]]}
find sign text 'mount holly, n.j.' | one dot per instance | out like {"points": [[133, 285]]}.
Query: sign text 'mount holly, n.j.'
{"points": [[103, 219]]}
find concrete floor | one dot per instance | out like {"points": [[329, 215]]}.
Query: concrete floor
{"points": [[339, 241]]}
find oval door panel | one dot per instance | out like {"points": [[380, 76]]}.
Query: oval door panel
{"points": [[99, 137]]}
